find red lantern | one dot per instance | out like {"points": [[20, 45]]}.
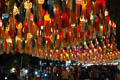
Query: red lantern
{"points": [[97, 19], [64, 15], [40, 23], [25, 28], [107, 18], [43, 12], [101, 2]]}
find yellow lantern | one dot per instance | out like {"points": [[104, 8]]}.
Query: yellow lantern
{"points": [[40, 1], [19, 27], [28, 5], [47, 17]]}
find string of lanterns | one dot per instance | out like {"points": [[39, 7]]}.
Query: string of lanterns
{"points": [[78, 30]]}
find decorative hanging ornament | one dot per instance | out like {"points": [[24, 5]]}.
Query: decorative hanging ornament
{"points": [[106, 13], [40, 1], [78, 1], [0, 23], [28, 6], [15, 10]]}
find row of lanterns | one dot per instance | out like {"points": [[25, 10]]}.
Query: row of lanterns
{"points": [[63, 33]]}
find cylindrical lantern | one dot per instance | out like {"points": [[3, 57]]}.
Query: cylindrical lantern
{"points": [[28, 6], [40, 1], [0, 23]]}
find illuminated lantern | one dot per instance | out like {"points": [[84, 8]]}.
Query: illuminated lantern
{"points": [[19, 27], [106, 12], [47, 17], [78, 1], [25, 28], [97, 19], [0, 23], [18, 44], [101, 2], [64, 20], [1, 29], [15, 10], [40, 2], [8, 42], [7, 30], [28, 6], [32, 17], [47, 20], [39, 23]]}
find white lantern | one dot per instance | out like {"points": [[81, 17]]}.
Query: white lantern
{"points": [[106, 13], [40, 1], [15, 10], [28, 5], [9, 40]]}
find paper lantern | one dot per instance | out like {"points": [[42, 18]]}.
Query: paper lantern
{"points": [[97, 19], [25, 28], [28, 4], [15, 10], [39, 23], [47, 17], [106, 12], [29, 36], [78, 1], [19, 27], [0, 23], [40, 1]]}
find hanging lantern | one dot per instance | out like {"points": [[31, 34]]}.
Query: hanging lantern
{"points": [[78, 1], [19, 27], [40, 1], [15, 10], [32, 17], [97, 19], [0, 23], [25, 28], [29, 36], [28, 6], [106, 12], [47, 17]]}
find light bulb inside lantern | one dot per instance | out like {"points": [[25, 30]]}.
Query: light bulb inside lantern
{"points": [[9, 40], [106, 13], [42, 27], [101, 27]]}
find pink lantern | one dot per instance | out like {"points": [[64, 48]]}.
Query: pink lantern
{"points": [[0, 23]]}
